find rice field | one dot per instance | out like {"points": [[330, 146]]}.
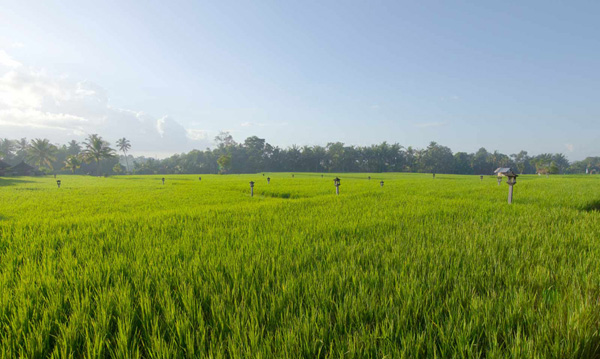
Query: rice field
{"points": [[126, 267]]}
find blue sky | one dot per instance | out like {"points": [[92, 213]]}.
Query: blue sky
{"points": [[170, 75]]}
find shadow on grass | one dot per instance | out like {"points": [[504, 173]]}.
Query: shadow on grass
{"points": [[593, 206], [5, 182], [283, 195]]}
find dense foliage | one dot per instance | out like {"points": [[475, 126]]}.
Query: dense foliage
{"points": [[256, 155], [126, 267]]}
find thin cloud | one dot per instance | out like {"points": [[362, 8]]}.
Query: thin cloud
{"points": [[196, 134], [430, 124], [252, 124], [570, 147], [262, 124]]}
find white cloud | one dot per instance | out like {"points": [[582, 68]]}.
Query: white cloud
{"points": [[261, 124], [195, 134], [17, 45], [570, 147], [7, 61], [252, 124], [36, 104], [430, 124]]}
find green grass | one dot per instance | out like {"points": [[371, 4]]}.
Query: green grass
{"points": [[124, 267]]}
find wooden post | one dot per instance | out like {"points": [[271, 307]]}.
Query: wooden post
{"points": [[433, 175], [58, 183], [499, 180], [251, 189], [510, 193], [481, 178], [199, 178], [163, 180], [381, 183], [268, 180]]}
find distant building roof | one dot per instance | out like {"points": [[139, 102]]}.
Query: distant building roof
{"points": [[23, 169], [504, 171]]}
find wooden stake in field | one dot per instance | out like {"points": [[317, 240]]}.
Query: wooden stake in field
{"points": [[337, 182], [251, 188], [381, 183], [58, 183], [199, 178], [481, 178], [292, 176], [499, 180], [433, 175], [369, 178], [163, 180], [512, 180], [268, 180]]}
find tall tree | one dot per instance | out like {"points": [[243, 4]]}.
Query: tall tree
{"points": [[96, 149], [73, 148], [124, 146], [42, 153], [224, 163], [72, 163], [7, 148]]}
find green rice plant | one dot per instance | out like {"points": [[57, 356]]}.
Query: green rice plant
{"points": [[126, 267]]}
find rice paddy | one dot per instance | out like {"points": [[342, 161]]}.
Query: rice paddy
{"points": [[126, 267]]}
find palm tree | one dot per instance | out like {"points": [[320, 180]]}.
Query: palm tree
{"points": [[124, 146], [7, 148], [96, 149], [41, 152], [73, 147], [72, 163]]}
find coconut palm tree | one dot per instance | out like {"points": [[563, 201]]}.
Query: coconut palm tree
{"points": [[72, 163], [96, 149], [42, 152], [124, 146], [73, 147], [7, 148]]}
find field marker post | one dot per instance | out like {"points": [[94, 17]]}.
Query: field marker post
{"points": [[292, 175], [336, 182], [199, 178], [381, 183], [163, 180], [481, 178], [251, 188], [499, 180], [433, 175], [268, 180], [58, 183], [369, 178], [512, 180]]}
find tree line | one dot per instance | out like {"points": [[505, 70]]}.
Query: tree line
{"points": [[96, 156]]}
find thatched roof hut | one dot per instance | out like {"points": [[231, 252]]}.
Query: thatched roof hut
{"points": [[23, 169], [3, 167]]}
